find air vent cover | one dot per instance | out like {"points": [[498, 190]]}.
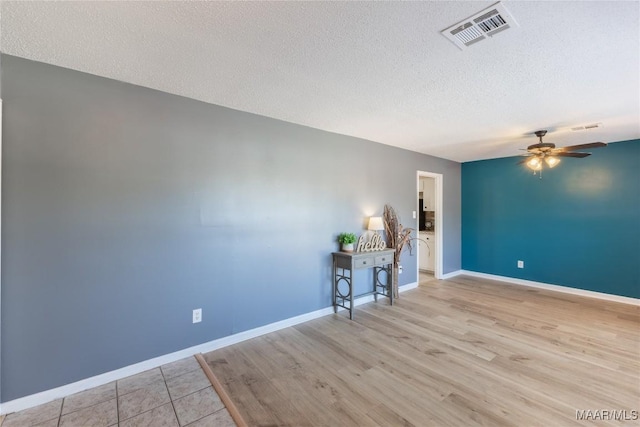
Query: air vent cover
{"points": [[486, 23], [587, 127]]}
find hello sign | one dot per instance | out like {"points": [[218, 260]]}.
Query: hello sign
{"points": [[371, 245]]}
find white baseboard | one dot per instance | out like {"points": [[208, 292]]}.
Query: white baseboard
{"points": [[408, 287], [451, 274], [556, 288], [98, 380]]}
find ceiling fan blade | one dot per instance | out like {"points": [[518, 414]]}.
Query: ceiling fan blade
{"points": [[526, 159], [582, 146], [579, 155]]}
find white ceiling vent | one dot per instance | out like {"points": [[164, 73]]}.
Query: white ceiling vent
{"points": [[478, 27], [587, 127]]}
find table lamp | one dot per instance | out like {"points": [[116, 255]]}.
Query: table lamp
{"points": [[375, 224]]}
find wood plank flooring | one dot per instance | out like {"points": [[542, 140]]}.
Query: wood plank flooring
{"points": [[459, 352]]}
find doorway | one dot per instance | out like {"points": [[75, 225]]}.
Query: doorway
{"points": [[429, 224]]}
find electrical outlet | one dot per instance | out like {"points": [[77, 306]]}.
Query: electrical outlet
{"points": [[399, 269], [414, 214], [197, 315], [520, 264]]}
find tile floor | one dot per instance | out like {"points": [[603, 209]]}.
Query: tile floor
{"points": [[178, 394]]}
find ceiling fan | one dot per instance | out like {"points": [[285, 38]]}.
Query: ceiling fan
{"points": [[545, 152]]}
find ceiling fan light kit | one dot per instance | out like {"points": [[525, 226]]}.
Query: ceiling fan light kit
{"points": [[534, 164], [551, 161], [545, 152]]}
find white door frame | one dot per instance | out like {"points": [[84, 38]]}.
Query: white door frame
{"points": [[439, 208]]}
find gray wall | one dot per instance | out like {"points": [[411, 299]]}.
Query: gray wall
{"points": [[124, 208]]}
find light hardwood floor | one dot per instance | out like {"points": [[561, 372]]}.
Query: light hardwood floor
{"points": [[462, 352]]}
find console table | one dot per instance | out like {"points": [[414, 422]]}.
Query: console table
{"points": [[344, 263]]}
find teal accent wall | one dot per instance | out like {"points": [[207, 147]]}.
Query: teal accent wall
{"points": [[578, 226]]}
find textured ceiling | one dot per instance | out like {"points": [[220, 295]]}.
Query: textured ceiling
{"points": [[375, 70]]}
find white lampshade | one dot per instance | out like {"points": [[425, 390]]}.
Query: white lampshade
{"points": [[375, 223]]}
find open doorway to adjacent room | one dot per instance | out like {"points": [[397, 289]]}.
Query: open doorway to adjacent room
{"points": [[429, 225]]}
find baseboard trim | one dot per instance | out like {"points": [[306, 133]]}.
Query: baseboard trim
{"points": [[407, 287], [451, 274], [98, 380], [556, 288]]}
